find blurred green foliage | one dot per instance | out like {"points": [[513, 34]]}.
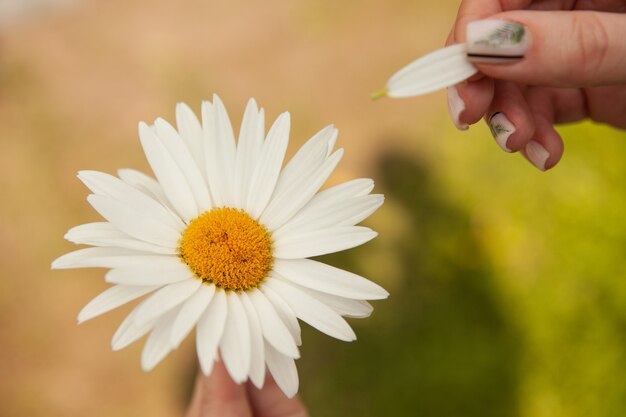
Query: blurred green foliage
{"points": [[508, 297]]}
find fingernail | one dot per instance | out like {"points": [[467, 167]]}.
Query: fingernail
{"points": [[537, 154], [496, 41], [501, 129], [456, 105]]}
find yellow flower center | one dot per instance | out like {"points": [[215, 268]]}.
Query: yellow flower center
{"points": [[226, 247]]}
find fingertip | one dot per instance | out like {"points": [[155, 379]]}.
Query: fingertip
{"points": [[548, 138], [509, 118], [218, 395], [456, 107], [477, 96], [271, 401], [524, 129]]}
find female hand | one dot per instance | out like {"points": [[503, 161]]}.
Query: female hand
{"points": [[218, 396], [556, 61]]}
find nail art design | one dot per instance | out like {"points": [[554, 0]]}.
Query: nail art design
{"points": [[501, 129], [537, 154], [494, 40]]}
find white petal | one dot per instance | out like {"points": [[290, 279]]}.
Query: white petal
{"points": [[285, 313], [346, 213], [343, 306], [340, 192], [189, 313], [143, 183], [165, 299], [105, 234], [322, 277], [162, 271], [111, 299], [321, 242], [283, 369], [257, 352], [176, 148], [221, 151], [168, 174], [268, 166], [158, 346], [283, 207], [191, 133], [103, 258], [129, 331], [439, 69], [134, 222], [235, 343], [249, 147], [309, 156], [274, 330], [312, 311], [306, 161], [210, 330], [211, 157], [110, 186]]}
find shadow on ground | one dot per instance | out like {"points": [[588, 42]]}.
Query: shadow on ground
{"points": [[439, 346]]}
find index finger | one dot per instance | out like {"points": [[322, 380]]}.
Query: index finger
{"points": [[270, 401], [217, 395]]}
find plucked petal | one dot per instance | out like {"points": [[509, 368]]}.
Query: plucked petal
{"points": [[439, 69]]}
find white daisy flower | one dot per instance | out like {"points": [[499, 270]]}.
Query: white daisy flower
{"points": [[220, 241]]}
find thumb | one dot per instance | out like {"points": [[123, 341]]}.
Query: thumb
{"points": [[559, 49]]}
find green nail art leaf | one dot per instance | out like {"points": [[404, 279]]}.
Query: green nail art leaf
{"points": [[505, 35], [498, 129]]}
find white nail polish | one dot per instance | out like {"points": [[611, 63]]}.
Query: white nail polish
{"points": [[456, 105], [537, 154], [501, 129], [496, 41]]}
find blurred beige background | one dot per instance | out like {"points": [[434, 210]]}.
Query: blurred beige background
{"points": [[547, 249]]}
